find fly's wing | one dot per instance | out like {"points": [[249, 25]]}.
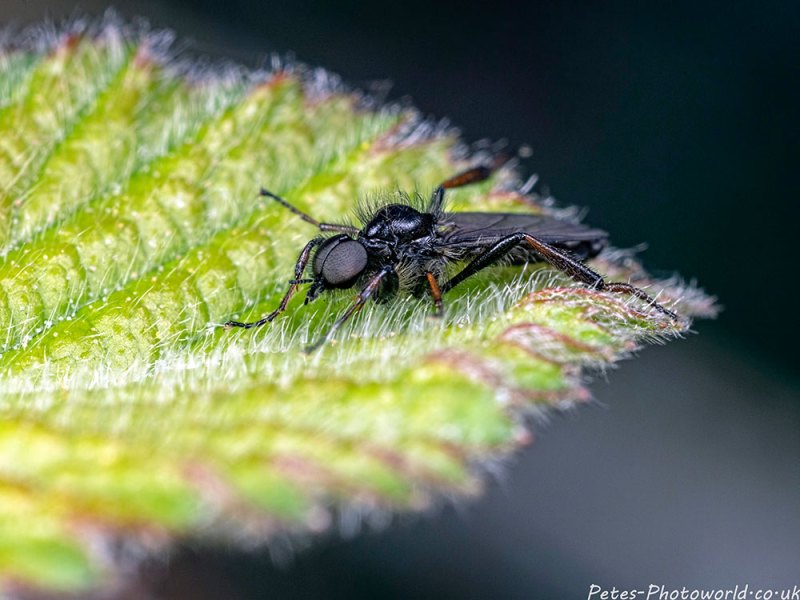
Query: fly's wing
{"points": [[481, 229]]}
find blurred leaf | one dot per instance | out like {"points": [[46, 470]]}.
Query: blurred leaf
{"points": [[131, 228]]}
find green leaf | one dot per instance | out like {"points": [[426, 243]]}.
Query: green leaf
{"points": [[131, 228]]}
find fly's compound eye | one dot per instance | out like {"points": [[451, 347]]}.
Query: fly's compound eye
{"points": [[340, 260]]}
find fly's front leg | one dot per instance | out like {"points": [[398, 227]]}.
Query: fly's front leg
{"points": [[361, 299], [560, 259], [299, 268]]}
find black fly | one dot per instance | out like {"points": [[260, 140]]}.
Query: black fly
{"points": [[404, 248]]}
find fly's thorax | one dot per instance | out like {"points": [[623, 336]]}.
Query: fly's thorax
{"points": [[399, 223]]}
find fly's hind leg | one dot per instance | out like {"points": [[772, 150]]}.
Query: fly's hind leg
{"points": [[560, 259], [580, 272]]}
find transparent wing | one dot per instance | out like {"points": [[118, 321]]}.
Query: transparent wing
{"points": [[477, 229]]}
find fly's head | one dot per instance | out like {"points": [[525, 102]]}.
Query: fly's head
{"points": [[338, 263]]}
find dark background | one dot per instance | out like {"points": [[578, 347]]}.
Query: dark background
{"points": [[676, 124]]}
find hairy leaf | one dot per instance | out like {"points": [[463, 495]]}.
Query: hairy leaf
{"points": [[131, 228]]}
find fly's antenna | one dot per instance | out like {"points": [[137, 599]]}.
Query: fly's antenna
{"points": [[308, 218]]}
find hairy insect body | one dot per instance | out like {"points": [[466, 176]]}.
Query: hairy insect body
{"points": [[402, 248], [406, 239]]}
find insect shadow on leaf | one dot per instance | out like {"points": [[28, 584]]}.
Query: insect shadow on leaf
{"points": [[401, 247]]}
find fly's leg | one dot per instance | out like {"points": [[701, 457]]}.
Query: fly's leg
{"points": [[308, 218], [468, 177], [361, 299], [559, 259], [436, 293], [580, 272], [299, 267]]}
